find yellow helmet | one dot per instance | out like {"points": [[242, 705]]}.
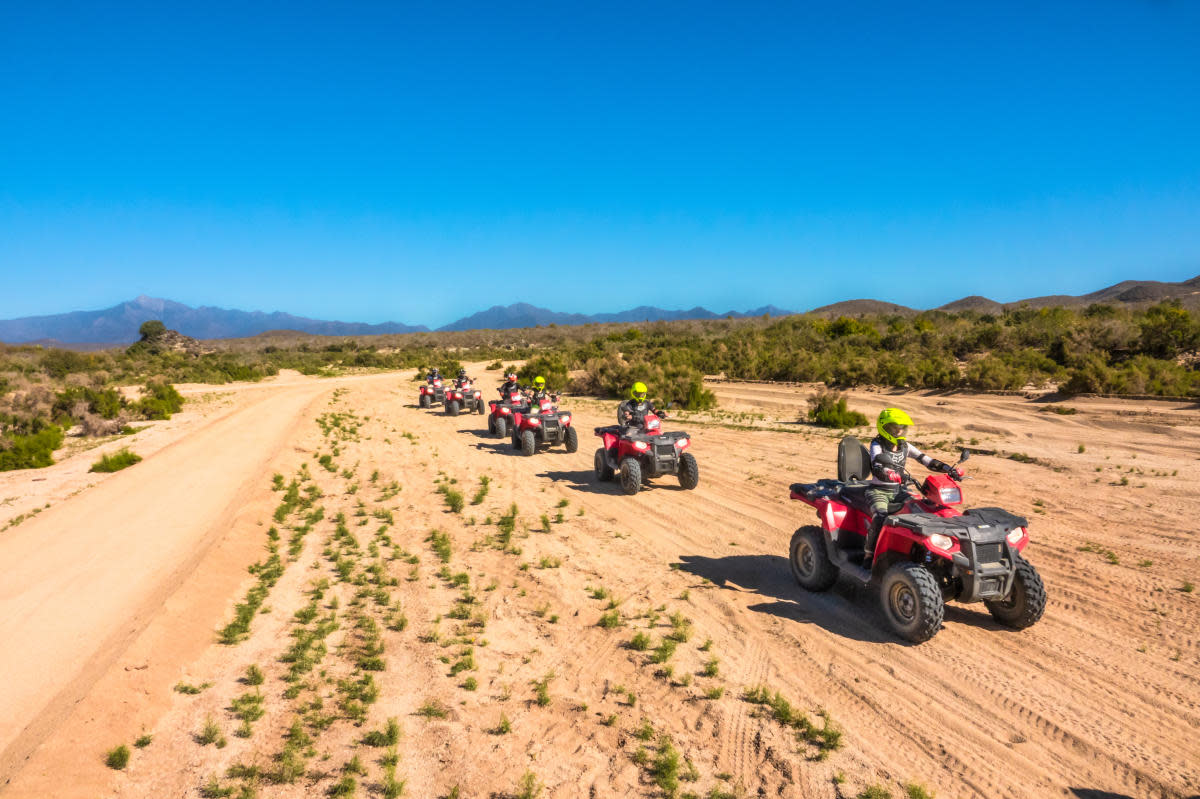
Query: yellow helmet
{"points": [[639, 391], [539, 381], [893, 424]]}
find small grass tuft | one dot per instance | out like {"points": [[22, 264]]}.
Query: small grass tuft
{"points": [[115, 462], [117, 757]]}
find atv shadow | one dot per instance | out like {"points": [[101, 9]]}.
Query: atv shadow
{"points": [[498, 446], [585, 480], [582, 480], [839, 611], [1092, 793], [848, 609]]}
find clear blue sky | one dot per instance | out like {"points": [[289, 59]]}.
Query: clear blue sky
{"points": [[420, 161]]}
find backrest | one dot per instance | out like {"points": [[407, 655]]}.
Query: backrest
{"points": [[854, 462]]}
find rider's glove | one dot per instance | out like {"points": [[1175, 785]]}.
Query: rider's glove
{"points": [[893, 476], [955, 474]]}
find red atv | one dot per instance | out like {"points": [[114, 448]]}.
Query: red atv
{"points": [[543, 423], [432, 393], [500, 418], [463, 395], [928, 553], [646, 453]]}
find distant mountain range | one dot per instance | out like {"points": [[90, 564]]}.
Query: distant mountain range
{"points": [[505, 317], [119, 324]]}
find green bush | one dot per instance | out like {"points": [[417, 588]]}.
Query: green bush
{"points": [[34, 451], [116, 461], [160, 401], [828, 409]]}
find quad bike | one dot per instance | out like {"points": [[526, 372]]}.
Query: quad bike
{"points": [[432, 393], [927, 554], [463, 395], [635, 457], [543, 423], [500, 418]]}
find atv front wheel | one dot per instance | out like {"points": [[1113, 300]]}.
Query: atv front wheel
{"points": [[689, 471], [810, 560], [1026, 602], [491, 425], [604, 472], [912, 602], [528, 443], [424, 401], [452, 408], [479, 406], [631, 476], [501, 426], [572, 439]]}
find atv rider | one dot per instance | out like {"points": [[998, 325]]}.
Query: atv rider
{"points": [[510, 385], [889, 451], [434, 374], [631, 414], [539, 392], [462, 378]]}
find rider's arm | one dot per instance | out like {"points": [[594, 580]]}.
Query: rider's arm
{"points": [[932, 464]]}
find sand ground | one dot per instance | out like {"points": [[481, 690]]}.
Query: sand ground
{"points": [[113, 594]]}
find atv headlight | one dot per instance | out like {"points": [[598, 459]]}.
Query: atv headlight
{"points": [[566, 418], [1015, 535], [505, 411], [950, 495], [682, 443], [640, 446], [534, 422], [942, 542]]}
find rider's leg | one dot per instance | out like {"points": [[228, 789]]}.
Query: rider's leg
{"points": [[880, 499]]}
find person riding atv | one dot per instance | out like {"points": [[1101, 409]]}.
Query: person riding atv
{"points": [[434, 374], [539, 391], [510, 385], [889, 452], [632, 412], [462, 376]]}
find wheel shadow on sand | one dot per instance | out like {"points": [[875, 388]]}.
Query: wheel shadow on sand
{"points": [[845, 610], [584, 480]]}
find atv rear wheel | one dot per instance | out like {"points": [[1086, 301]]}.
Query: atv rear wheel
{"points": [[501, 426], [604, 472], [810, 560], [528, 443], [424, 401], [912, 602], [572, 439], [689, 471], [631, 476], [1026, 602], [452, 407]]}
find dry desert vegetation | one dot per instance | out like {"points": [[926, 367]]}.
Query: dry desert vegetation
{"points": [[311, 587]]}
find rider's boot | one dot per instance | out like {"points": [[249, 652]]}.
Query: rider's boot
{"points": [[872, 538]]}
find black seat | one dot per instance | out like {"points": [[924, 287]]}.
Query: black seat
{"points": [[854, 462]]}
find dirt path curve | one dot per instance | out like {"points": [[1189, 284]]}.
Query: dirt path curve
{"points": [[82, 579]]}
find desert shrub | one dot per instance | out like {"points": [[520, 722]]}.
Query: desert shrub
{"points": [[160, 401], [553, 368], [116, 461], [117, 757], [828, 409], [33, 451]]}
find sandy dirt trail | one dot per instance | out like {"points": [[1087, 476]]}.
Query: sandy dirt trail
{"points": [[1100, 700], [84, 577]]}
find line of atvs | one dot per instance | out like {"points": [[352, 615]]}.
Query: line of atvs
{"points": [[931, 552]]}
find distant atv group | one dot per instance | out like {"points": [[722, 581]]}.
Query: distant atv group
{"points": [[461, 396], [928, 551], [528, 416]]}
